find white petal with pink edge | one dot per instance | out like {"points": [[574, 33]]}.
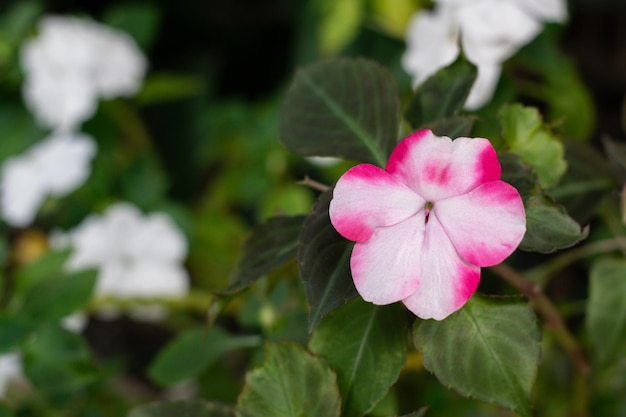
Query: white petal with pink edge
{"points": [[367, 197], [438, 167], [485, 225], [385, 269], [446, 281]]}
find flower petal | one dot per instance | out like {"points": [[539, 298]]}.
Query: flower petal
{"points": [[437, 167], [367, 197], [446, 281], [486, 225], [385, 269]]}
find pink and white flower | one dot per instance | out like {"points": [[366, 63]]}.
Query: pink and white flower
{"points": [[427, 223]]}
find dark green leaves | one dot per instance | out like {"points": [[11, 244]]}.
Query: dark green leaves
{"points": [[192, 352], [606, 312], [291, 383], [13, 330], [549, 228], [188, 408], [341, 107], [324, 258], [366, 345], [271, 244], [488, 350], [439, 100], [41, 301]]}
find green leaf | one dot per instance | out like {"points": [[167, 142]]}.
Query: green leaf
{"points": [[13, 331], [341, 107], [58, 296], [192, 352], [443, 94], [366, 345], [57, 362], [269, 246], [518, 173], [606, 310], [549, 227], [488, 350], [324, 258], [187, 408], [290, 383], [526, 135]]}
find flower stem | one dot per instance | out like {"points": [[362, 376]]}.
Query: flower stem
{"points": [[314, 184], [544, 306], [540, 274]]}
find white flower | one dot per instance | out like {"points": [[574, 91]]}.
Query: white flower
{"points": [[10, 370], [490, 31], [71, 63], [137, 256], [53, 167]]}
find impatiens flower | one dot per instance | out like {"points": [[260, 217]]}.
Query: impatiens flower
{"points": [[425, 224], [71, 64], [10, 370], [489, 31], [53, 167], [136, 256]]}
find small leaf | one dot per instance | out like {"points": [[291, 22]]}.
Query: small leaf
{"points": [[187, 408], [549, 227], [443, 94], [271, 244], [42, 300], [526, 135], [324, 258], [192, 352], [290, 383], [606, 311], [488, 350], [366, 345], [13, 331], [341, 107]]}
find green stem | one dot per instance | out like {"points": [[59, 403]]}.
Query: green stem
{"points": [[130, 123], [199, 302], [540, 274]]}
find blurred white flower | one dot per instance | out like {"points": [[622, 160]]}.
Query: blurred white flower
{"points": [[10, 370], [53, 167], [71, 63], [490, 31], [137, 256]]}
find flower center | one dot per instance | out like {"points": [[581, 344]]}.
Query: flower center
{"points": [[427, 208]]}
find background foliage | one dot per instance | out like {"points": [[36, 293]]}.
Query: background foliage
{"points": [[201, 143]]}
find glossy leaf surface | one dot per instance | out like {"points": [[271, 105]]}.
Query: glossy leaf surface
{"points": [[270, 245], [341, 107], [290, 383], [488, 350], [324, 258], [366, 345]]}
